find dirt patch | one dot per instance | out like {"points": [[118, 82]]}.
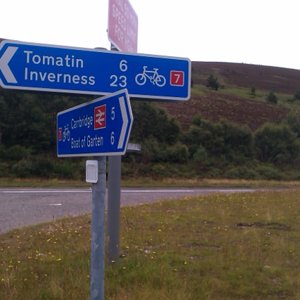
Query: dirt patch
{"points": [[271, 225], [216, 106]]}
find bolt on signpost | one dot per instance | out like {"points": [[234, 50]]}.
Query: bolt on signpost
{"points": [[98, 128]]}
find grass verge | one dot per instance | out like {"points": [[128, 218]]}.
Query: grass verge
{"points": [[236, 246], [149, 182]]}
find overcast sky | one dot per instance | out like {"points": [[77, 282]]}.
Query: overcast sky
{"points": [[262, 32]]}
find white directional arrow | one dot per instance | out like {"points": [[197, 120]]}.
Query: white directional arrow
{"points": [[4, 61], [125, 122]]}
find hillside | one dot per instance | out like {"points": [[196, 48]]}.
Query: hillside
{"points": [[280, 80], [234, 101]]}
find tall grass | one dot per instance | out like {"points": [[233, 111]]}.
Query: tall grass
{"points": [[236, 246]]}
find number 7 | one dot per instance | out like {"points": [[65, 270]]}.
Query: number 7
{"points": [[177, 78]]}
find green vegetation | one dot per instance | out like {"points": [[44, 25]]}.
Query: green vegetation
{"points": [[253, 92], [200, 149], [224, 150], [198, 90], [236, 246], [277, 144], [206, 149], [28, 136], [259, 95], [297, 95], [272, 98], [152, 182], [213, 82]]}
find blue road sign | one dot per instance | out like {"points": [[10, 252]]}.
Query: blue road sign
{"points": [[97, 128], [50, 68]]}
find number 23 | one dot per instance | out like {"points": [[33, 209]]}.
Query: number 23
{"points": [[118, 81]]}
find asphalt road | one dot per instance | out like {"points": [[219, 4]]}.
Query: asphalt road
{"points": [[23, 207]]}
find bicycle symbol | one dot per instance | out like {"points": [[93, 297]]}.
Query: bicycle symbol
{"points": [[66, 134], [152, 75]]}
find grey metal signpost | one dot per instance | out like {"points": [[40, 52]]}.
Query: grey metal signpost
{"points": [[113, 207], [97, 231], [114, 201]]}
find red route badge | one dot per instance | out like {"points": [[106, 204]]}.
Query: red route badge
{"points": [[177, 78], [100, 117]]}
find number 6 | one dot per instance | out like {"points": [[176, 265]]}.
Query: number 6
{"points": [[112, 138], [123, 65]]}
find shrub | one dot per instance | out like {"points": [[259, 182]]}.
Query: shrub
{"points": [[200, 159], [22, 168], [212, 82], [272, 98], [150, 150], [64, 169], [232, 142], [160, 170], [276, 144], [151, 121], [293, 121], [269, 172], [297, 95], [253, 92], [238, 142], [14, 153], [42, 167], [177, 154], [242, 172], [5, 170]]}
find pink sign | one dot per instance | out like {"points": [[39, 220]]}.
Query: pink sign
{"points": [[122, 25]]}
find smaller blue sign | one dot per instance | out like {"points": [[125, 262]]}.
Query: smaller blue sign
{"points": [[98, 128]]}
